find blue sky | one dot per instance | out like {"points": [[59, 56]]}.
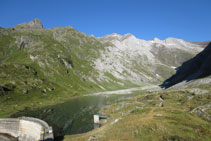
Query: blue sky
{"points": [[146, 19]]}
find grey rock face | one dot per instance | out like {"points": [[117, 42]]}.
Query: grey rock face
{"points": [[140, 61], [36, 23], [27, 41]]}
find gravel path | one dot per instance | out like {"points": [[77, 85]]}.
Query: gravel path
{"points": [[126, 91]]}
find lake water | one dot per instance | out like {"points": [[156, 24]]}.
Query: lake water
{"points": [[74, 116]]}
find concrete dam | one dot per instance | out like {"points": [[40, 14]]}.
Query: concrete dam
{"points": [[25, 129]]}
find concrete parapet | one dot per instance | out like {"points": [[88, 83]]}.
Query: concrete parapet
{"points": [[41, 122]]}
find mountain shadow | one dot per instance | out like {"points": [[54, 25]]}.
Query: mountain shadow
{"points": [[195, 68]]}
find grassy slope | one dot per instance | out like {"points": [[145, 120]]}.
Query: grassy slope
{"points": [[139, 119]]}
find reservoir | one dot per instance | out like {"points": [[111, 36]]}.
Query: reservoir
{"points": [[75, 115]]}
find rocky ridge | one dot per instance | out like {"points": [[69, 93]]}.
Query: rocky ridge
{"points": [[149, 60]]}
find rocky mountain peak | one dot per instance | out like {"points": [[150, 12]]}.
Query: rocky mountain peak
{"points": [[128, 35], [110, 37], [115, 36], [36, 23], [155, 39]]}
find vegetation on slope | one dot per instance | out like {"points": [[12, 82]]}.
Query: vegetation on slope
{"points": [[165, 115], [45, 66]]}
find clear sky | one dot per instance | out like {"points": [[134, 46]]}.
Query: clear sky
{"points": [[146, 19]]}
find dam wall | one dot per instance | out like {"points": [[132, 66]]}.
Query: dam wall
{"points": [[26, 128], [9, 126]]}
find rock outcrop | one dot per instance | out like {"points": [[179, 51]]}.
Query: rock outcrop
{"points": [[34, 24]]}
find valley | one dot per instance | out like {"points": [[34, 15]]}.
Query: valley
{"points": [[64, 77]]}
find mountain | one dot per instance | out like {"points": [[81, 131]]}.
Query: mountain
{"points": [[193, 69], [139, 61], [202, 44], [48, 66]]}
